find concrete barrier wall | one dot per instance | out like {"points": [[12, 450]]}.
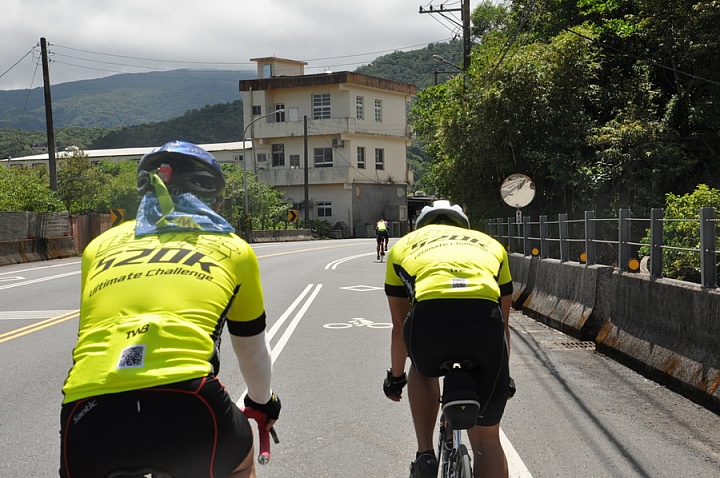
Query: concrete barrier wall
{"points": [[281, 235], [667, 330], [29, 250]]}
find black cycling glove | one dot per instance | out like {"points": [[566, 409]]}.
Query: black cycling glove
{"points": [[393, 386], [512, 389], [271, 408]]}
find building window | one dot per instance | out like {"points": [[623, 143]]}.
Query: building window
{"points": [[256, 110], [294, 161], [378, 111], [323, 157], [321, 106], [360, 107], [361, 157], [280, 116], [237, 158], [278, 155], [261, 157], [324, 209], [379, 158]]}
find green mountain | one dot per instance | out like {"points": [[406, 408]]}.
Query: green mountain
{"points": [[146, 109], [121, 100]]}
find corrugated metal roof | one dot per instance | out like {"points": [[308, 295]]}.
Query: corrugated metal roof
{"points": [[130, 152]]}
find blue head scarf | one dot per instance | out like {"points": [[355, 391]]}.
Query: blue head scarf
{"points": [[160, 212]]}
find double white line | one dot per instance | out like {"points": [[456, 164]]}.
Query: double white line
{"points": [[296, 320]]}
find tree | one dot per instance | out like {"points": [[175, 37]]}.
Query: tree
{"points": [[27, 189], [527, 115], [83, 187], [265, 205], [122, 186], [684, 234]]}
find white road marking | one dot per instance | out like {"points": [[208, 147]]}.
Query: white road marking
{"points": [[32, 314]]}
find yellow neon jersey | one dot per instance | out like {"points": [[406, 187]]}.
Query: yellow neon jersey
{"points": [[447, 262], [153, 308]]}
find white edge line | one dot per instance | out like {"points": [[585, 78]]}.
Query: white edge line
{"points": [[515, 464]]}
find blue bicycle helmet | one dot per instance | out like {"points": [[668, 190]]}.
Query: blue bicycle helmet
{"points": [[442, 212], [185, 168]]}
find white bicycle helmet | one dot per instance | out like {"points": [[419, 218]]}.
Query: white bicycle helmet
{"points": [[442, 212]]}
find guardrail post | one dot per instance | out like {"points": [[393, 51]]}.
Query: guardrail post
{"points": [[624, 239], [510, 234], [526, 236], [543, 237], [563, 234], [656, 242], [708, 264], [590, 237]]}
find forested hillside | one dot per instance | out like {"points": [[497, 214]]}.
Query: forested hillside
{"points": [[121, 100]]}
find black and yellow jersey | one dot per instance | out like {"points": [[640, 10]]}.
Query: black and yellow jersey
{"points": [[153, 308], [441, 261]]}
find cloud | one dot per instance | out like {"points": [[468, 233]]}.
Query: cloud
{"points": [[91, 39]]}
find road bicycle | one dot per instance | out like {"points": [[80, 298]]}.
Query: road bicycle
{"points": [[459, 411], [263, 445]]}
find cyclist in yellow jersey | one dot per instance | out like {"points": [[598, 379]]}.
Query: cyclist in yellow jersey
{"points": [[382, 236], [156, 295], [449, 291]]}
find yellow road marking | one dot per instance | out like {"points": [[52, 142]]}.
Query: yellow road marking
{"points": [[28, 329]]}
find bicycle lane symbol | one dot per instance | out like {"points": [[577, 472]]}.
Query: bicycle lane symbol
{"points": [[358, 322]]}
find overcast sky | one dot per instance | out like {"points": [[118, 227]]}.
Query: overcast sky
{"points": [[96, 38]]}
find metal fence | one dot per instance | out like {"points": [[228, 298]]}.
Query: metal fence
{"points": [[610, 241]]}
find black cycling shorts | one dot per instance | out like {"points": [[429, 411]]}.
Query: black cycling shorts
{"points": [[442, 330], [191, 429]]}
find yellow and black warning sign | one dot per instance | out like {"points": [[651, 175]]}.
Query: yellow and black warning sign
{"points": [[117, 217]]}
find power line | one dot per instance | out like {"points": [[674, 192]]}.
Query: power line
{"points": [[637, 57], [16, 63]]}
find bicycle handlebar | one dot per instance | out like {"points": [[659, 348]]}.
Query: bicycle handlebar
{"points": [[263, 433]]}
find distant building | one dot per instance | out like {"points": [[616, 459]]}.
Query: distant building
{"points": [[223, 152], [357, 135]]}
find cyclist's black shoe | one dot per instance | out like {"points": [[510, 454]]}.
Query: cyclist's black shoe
{"points": [[378, 258], [382, 253], [424, 466]]}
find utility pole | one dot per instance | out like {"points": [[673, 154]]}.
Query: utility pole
{"points": [[49, 117], [465, 16], [306, 181]]}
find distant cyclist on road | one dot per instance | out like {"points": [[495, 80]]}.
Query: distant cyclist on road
{"points": [[382, 236], [449, 291], [156, 295]]}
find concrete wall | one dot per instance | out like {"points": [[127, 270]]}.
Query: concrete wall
{"points": [[29, 236], [281, 235], [667, 330]]}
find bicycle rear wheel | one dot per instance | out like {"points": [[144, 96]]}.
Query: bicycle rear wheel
{"points": [[462, 463]]}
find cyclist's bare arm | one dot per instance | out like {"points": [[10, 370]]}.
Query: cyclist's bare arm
{"points": [[399, 308]]}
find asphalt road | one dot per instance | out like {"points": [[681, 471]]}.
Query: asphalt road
{"points": [[576, 412]]}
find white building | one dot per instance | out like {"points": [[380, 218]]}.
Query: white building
{"points": [[350, 129], [223, 152]]}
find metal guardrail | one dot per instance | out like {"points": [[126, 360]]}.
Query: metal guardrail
{"points": [[562, 238]]}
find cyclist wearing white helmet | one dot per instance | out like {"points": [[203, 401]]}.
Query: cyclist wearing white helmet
{"points": [[156, 295], [449, 291]]}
